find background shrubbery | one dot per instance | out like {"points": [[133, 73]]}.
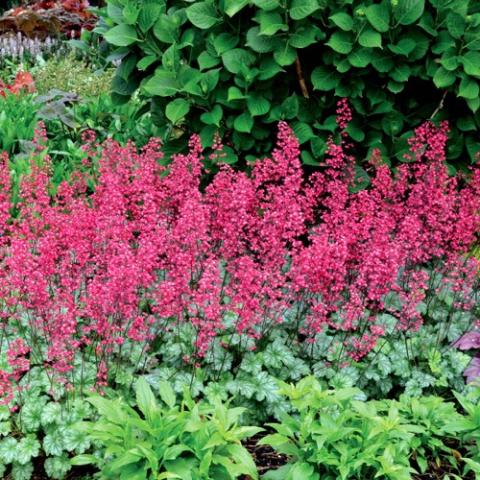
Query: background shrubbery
{"points": [[239, 66]]}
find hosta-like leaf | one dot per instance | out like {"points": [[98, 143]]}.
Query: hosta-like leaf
{"points": [[203, 14]]}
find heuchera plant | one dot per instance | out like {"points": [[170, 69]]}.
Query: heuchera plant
{"points": [[85, 277], [471, 341]]}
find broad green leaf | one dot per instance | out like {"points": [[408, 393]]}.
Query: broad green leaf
{"points": [[269, 68], [304, 36], [232, 7], [257, 105], [370, 38], [149, 14], [473, 104], [202, 14], [164, 389], [407, 12], [456, 24], [404, 47], [471, 63], [379, 16], [243, 123], [341, 42], [468, 88], [342, 20], [165, 29], [236, 59], [27, 448], [300, 9], [163, 84], [302, 131], [234, 93], [270, 23], [146, 401], [324, 79], [205, 61], [360, 57], [145, 62], [130, 12], [213, 117], [267, 5], [122, 35], [224, 42], [285, 55], [303, 471], [260, 43]]}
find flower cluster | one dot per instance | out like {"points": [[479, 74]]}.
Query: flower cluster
{"points": [[83, 275]]}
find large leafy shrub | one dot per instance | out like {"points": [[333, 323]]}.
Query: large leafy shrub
{"points": [[239, 66]]}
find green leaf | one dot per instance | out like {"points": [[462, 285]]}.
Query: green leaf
{"points": [[121, 35], [341, 42], [324, 79], [243, 123], [234, 93], [443, 78], [57, 467], [205, 61], [404, 47], [260, 43], [175, 110], [145, 62], [22, 472], [300, 9], [84, 460], [473, 104], [27, 448], [302, 131], [456, 24], [8, 448], [163, 84], [51, 413], [267, 5], [164, 389], [285, 55], [407, 12], [224, 42], [342, 20], [236, 59], [379, 16], [304, 36], [468, 88], [149, 14], [232, 7], [202, 14], [213, 117], [165, 29], [270, 23], [302, 471], [370, 38], [471, 63], [257, 105], [359, 58], [130, 13]]}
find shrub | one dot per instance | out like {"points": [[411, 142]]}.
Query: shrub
{"points": [[239, 66], [94, 280], [331, 434], [72, 75], [193, 441]]}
